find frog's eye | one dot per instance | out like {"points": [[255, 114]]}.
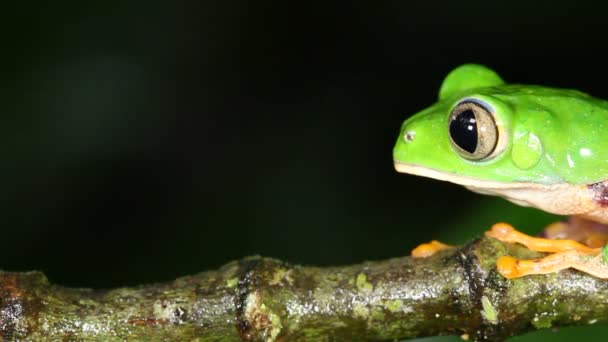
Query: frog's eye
{"points": [[473, 131]]}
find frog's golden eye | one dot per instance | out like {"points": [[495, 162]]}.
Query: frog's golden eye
{"points": [[473, 131]]}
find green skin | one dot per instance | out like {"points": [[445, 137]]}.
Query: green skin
{"points": [[570, 125], [551, 143]]}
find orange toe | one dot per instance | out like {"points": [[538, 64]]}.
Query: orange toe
{"points": [[501, 231], [507, 267], [427, 249]]}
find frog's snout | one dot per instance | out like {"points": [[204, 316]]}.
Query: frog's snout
{"points": [[403, 145]]}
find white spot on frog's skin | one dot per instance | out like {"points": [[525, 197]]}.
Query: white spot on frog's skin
{"points": [[550, 159], [534, 141], [570, 161], [584, 152]]}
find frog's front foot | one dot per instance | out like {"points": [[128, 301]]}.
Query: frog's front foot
{"points": [[565, 254], [425, 250]]}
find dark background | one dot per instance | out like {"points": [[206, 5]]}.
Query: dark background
{"points": [[141, 141]]}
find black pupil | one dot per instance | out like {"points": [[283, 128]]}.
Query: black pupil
{"points": [[463, 130]]}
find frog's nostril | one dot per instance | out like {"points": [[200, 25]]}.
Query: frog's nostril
{"points": [[409, 136]]}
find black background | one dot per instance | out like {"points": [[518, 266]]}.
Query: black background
{"points": [[141, 141]]}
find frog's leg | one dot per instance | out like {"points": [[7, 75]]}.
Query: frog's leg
{"points": [[556, 233], [427, 249], [567, 253], [506, 233], [588, 232]]}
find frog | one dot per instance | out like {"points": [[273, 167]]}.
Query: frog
{"points": [[536, 146]]}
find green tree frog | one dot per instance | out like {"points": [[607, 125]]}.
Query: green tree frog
{"points": [[533, 145]]}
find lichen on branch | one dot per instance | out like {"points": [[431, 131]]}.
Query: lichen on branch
{"points": [[455, 292]]}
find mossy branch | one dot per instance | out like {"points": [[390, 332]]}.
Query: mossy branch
{"points": [[456, 292]]}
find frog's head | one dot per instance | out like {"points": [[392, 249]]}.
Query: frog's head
{"points": [[514, 141]]}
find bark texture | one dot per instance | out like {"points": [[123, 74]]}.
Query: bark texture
{"points": [[455, 292]]}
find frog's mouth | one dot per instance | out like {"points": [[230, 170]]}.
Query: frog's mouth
{"points": [[469, 182], [560, 198]]}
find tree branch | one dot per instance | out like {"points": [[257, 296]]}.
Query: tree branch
{"points": [[457, 291]]}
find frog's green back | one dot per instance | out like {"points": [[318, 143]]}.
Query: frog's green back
{"points": [[545, 135]]}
